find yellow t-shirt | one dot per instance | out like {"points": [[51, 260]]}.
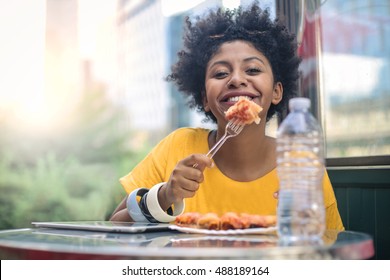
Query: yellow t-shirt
{"points": [[217, 193]]}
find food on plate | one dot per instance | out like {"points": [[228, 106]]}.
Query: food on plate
{"points": [[244, 111], [189, 219], [270, 220], [256, 221], [209, 221], [229, 220]]}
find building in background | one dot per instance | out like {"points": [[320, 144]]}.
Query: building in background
{"points": [[63, 69], [141, 63], [124, 47], [149, 37]]}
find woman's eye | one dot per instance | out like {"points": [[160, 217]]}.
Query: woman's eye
{"points": [[220, 75], [253, 71]]}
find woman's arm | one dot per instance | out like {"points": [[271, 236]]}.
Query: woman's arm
{"points": [[183, 183], [120, 214]]}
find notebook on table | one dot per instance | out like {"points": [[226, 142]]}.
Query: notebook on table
{"points": [[105, 226]]}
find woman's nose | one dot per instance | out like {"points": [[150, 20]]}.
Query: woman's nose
{"points": [[237, 80]]}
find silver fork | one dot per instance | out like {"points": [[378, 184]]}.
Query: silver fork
{"points": [[233, 128]]}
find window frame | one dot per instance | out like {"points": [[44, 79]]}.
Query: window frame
{"points": [[292, 13]]}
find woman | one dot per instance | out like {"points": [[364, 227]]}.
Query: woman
{"points": [[227, 54]]}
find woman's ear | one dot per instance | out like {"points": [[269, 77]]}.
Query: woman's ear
{"points": [[205, 102], [277, 94]]}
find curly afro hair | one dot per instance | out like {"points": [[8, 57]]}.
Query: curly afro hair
{"points": [[203, 38]]}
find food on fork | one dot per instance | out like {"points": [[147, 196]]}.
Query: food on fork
{"points": [[244, 111], [229, 220]]}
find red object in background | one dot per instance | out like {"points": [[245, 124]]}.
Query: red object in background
{"points": [[307, 47], [308, 50]]}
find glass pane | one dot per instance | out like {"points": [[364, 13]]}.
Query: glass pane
{"points": [[83, 99], [356, 85]]}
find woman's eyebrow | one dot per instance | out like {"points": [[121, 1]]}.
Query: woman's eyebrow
{"points": [[254, 58], [224, 62]]}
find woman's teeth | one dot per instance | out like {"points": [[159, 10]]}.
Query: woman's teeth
{"points": [[235, 98]]}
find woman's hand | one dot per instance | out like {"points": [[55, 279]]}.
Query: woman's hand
{"points": [[184, 180]]}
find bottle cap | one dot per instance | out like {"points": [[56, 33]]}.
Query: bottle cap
{"points": [[299, 103]]}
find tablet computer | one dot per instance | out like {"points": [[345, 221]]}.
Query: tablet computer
{"points": [[105, 226]]}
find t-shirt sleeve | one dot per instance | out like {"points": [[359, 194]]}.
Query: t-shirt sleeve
{"points": [[333, 219], [151, 170]]}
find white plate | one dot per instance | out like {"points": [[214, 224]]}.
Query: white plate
{"points": [[268, 230]]}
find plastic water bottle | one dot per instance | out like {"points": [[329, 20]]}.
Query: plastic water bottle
{"points": [[300, 167]]}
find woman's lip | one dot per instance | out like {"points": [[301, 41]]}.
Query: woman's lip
{"points": [[234, 94], [225, 100]]}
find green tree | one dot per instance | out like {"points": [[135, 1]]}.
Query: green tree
{"points": [[72, 175]]}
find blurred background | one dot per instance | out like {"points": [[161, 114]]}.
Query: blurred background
{"points": [[83, 96]]}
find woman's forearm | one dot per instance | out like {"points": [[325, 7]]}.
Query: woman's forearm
{"points": [[121, 214]]}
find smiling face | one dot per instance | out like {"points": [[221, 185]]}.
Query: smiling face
{"points": [[239, 69]]}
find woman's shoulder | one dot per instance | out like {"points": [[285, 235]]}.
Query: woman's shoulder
{"points": [[186, 140], [189, 133], [182, 138]]}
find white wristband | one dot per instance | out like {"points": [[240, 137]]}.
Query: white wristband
{"points": [[155, 209], [133, 206]]}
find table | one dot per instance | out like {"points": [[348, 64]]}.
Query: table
{"points": [[45, 243]]}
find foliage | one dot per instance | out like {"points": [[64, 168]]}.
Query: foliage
{"points": [[70, 176]]}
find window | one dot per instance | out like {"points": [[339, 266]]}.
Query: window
{"points": [[356, 87], [345, 47]]}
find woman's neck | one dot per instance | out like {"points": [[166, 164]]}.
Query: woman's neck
{"points": [[245, 157]]}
